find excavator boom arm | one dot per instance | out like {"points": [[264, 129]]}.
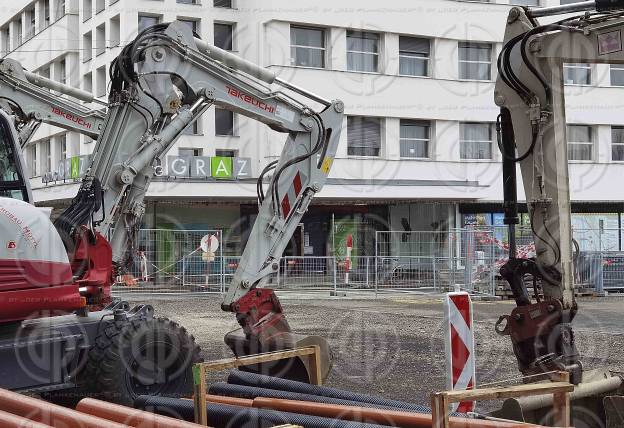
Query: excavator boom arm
{"points": [[29, 98], [532, 134]]}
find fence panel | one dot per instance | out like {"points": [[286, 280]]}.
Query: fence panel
{"points": [[306, 273], [172, 261]]}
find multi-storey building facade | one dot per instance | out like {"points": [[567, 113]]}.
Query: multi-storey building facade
{"points": [[418, 148]]}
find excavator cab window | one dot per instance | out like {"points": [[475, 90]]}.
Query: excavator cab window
{"points": [[12, 184]]}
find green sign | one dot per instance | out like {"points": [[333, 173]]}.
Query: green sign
{"points": [[75, 167], [221, 167], [342, 230]]}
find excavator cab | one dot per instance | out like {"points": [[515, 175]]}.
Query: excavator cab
{"points": [[13, 182]]}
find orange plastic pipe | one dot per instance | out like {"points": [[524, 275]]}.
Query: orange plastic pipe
{"points": [[231, 401], [380, 416], [130, 416], [51, 414], [9, 420]]}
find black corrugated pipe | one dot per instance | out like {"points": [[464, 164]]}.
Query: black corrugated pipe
{"points": [[252, 379], [224, 416], [251, 392]]}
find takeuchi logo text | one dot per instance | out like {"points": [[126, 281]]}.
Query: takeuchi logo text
{"points": [[246, 98], [72, 118]]}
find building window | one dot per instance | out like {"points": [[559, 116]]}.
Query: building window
{"points": [[100, 82], [580, 142], [188, 1], [307, 47], [226, 153], [61, 71], [189, 152], [193, 24], [18, 35], [617, 143], [223, 36], [146, 21], [617, 75], [32, 160], [192, 129], [46, 14], [475, 141], [60, 9], [62, 147], [45, 72], [363, 136], [87, 82], [475, 61], [223, 3], [100, 5], [115, 31], [415, 137], [6, 41], [100, 40], [87, 47], [362, 51], [30, 23], [46, 157], [224, 122], [87, 10], [577, 74], [414, 53]]}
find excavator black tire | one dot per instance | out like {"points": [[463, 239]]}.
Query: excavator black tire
{"points": [[120, 365]]}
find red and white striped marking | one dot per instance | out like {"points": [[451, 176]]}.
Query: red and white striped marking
{"points": [[348, 258], [293, 193], [459, 343]]}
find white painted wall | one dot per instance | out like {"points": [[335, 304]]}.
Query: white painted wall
{"points": [[263, 36]]}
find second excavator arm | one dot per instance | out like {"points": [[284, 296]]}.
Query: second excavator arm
{"points": [[28, 98], [532, 133]]}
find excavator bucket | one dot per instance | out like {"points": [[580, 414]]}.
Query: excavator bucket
{"points": [[293, 368]]}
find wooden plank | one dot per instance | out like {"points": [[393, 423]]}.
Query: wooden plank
{"points": [[232, 363], [199, 394], [509, 392], [316, 377], [436, 411], [561, 410]]}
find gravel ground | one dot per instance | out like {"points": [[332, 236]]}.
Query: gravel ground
{"points": [[392, 346]]}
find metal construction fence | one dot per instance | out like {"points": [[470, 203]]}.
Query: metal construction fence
{"points": [[173, 261]]}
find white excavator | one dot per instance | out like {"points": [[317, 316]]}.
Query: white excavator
{"points": [[60, 329], [532, 135]]}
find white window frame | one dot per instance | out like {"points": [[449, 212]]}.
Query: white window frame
{"points": [[616, 144], [584, 143], [490, 142], [429, 125], [375, 54], [588, 67], [293, 60], [465, 61], [426, 59]]}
